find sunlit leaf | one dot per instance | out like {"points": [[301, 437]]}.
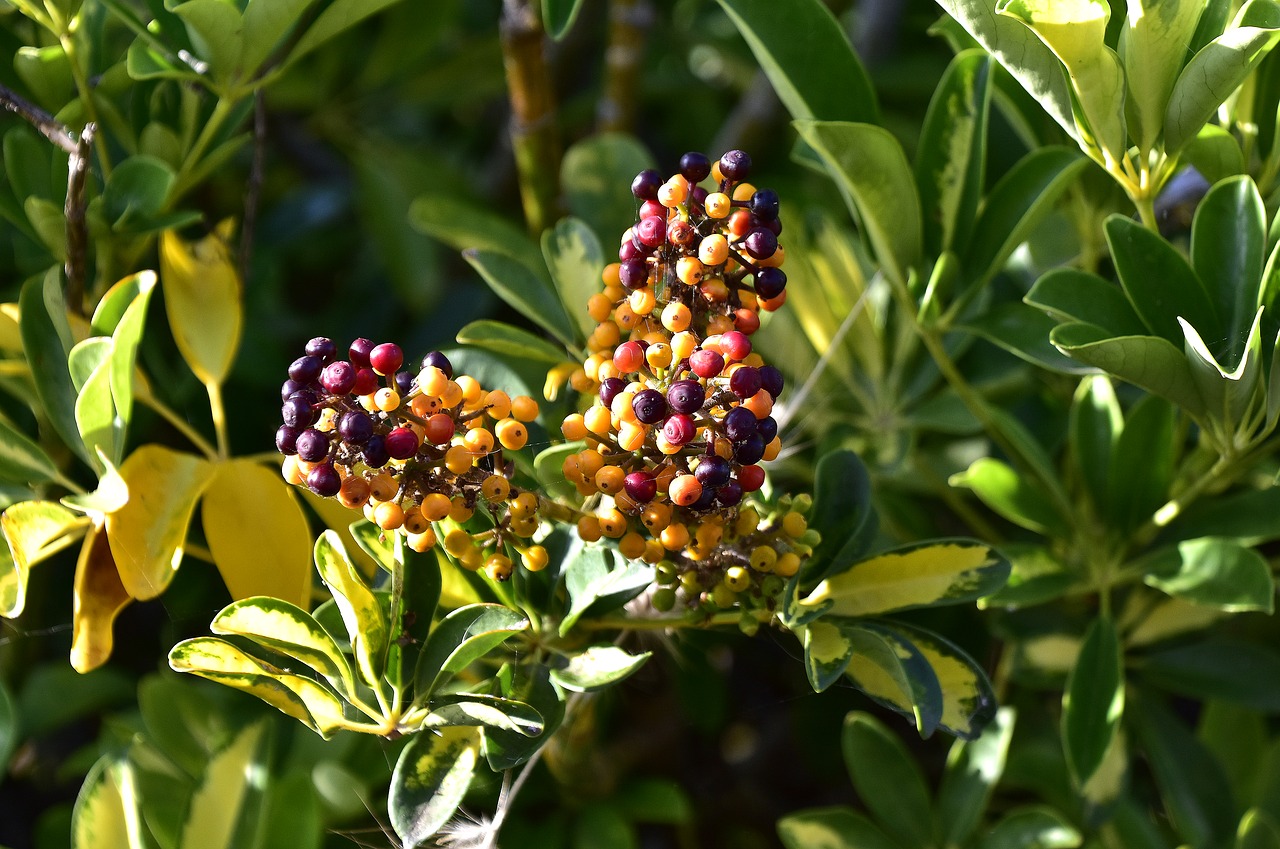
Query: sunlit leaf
{"points": [[108, 813], [597, 667], [229, 785], [202, 296], [430, 779], [831, 828], [1093, 702], [461, 638], [289, 630], [99, 596], [973, 769], [33, 530], [361, 613]]}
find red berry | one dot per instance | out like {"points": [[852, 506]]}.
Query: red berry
{"points": [[386, 358], [642, 486], [652, 209], [735, 345], [366, 382], [358, 353], [439, 429], [706, 364], [679, 429], [651, 231], [402, 443], [750, 478]]}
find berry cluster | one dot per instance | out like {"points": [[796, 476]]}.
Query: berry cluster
{"points": [[411, 450], [682, 415]]}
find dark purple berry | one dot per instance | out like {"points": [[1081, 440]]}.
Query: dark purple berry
{"points": [[773, 225], [649, 406], [312, 445], [404, 383], [401, 443], [744, 382], [735, 165], [686, 396], [764, 204], [713, 471], [288, 388], [338, 378], [642, 486], [375, 452], [767, 428], [324, 481], [646, 183], [705, 501], [287, 439], [305, 369], [629, 250], [697, 197], [770, 282], [771, 381], [761, 243], [739, 423], [679, 429], [749, 451], [322, 347], [440, 361], [610, 387], [695, 166], [634, 273], [359, 351], [296, 412], [355, 427], [729, 494]]}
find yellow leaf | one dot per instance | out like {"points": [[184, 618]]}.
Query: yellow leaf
{"points": [[361, 613], [219, 661], [202, 297], [257, 532], [10, 335], [107, 814], [216, 804], [33, 530], [99, 598], [147, 533]]}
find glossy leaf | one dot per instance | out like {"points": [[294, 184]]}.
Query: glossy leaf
{"points": [[463, 226], [558, 16], [1227, 391], [202, 296], [969, 703], [1245, 516], [1153, 45], [99, 596], [1151, 363], [1225, 668], [1093, 701], [1069, 294], [32, 531], [523, 290], [1257, 831], [489, 711], [576, 260], [107, 812], [923, 575], [126, 336], [817, 76], [289, 630], [842, 513], [595, 581], [430, 779], [597, 668], [1034, 827], [1011, 495], [1227, 243], [96, 409], [21, 459], [257, 533], [1095, 424], [148, 532], [1215, 153], [831, 828], [361, 613], [895, 673], [509, 341], [216, 30], [265, 25], [827, 652], [1214, 571], [46, 341], [225, 792], [1216, 71], [529, 683], [950, 161], [1023, 331], [1142, 464], [461, 638], [868, 164], [887, 779], [596, 175], [336, 18], [136, 190], [973, 769]]}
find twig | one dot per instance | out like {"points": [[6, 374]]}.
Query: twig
{"points": [[629, 24], [48, 126], [253, 192], [533, 131], [74, 211]]}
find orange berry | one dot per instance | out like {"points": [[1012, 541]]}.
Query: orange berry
{"points": [[458, 459], [422, 542], [439, 429], [607, 334], [773, 449], [388, 515], [291, 472], [524, 504], [459, 510], [739, 223], [743, 191], [383, 487], [631, 545], [471, 389], [512, 434], [656, 516], [432, 381], [609, 479], [642, 301], [415, 522], [598, 420], [599, 307], [524, 408], [716, 205], [386, 399], [685, 490], [354, 493], [435, 506], [452, 395], [713, 250], [631, 435], [534, 558], [495, 488], [497, 404], [689, 270], [674, 537], [479, 441], [676, 317], [589, 528], [625, 317], [610, 275], [574, 426], [772, 304], [760, 403], [612, 523]]}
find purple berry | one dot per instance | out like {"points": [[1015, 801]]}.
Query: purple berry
{"points": [[705, 501], [771, 381], [312, 445], [324, 481], [401, 443], [440, 361], [649, 406], [764, 204], [729, 494], [770, 282], [744, 382], [610, 389], [767, 428], [686, 396], [375, 452], [749, 451], [359, 351], [289, 387], [774, 226], [697, 197], [630, 250], [404, 383], [305, 369], [322, 347], [713, 471], [296, 412], [338, 378], [634, 273], [695, 166], [287, 439], [641, 486], [355, 427], [761, 243], [646, 183], [735, 165], [739, 423]]}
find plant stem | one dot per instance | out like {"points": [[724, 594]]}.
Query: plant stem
{"points": [[1146, 204], [533, 131], [219, 414], [221, 110], [657, 623], [179, 425], [74, 211], [48, 126], [629, 24], [85, 91]]}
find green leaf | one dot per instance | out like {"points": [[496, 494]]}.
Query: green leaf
{"points": [[361, 613], [1034, 827], [464, 226], [887, 779], [10, 725], [595, 582], [292, 814], [1075, 31], [1023, 331], [46, 341], [596, 174], [337, 18], [1015, 205], [523, 290], [597, 668], [288, 630], [1036, 576], [1142, 463], [576, 260], [827, 651], [1095, 424], [1216, 71], [1069, 294], [126, 336], [265, 25], [1215, 153], [461, 638], [868, 164], [509, 341], [21, 459], [529, 683], [1213, 571], [1093, 701], [95, 408], [808, 59], [973, 769], [107, 813], [430, 780], [929, 574], [1153, 45], [655, 800], [137, 189], [216, 30], [842, 512], [1228, 238], [1245, 516], [1151, 363], [951, 158], [1013, 496], [225, 794], [896, 674], [489, 711], [1217, 667], [558, 16], [1257, 831], [32, 530], [831, 828], [1227, 391], [46, 73], [1195, 792]]}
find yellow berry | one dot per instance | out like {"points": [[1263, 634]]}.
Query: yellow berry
{"points": [[674, 537], [495, 488], [589, 528], [683, 344], [676, 317], [787, 565], [716, 204], [497, 404], [609, 479], [435, 506], [689, 270], [452, 395], [432, 381], [713, 250], [459, 510], [388, 515], [415, 522], [383, 487], [642, 301], [599, 307], [524, 504], [658, 355], [737, 579], [479, 441], [612, 523], [763, 557], [534, 558], [422, 542], [458, 459], [598, 420], [794, 525], [498, 567], [631, 545]]}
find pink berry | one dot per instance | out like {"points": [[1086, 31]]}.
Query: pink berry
{"points": [[706, 364], [402, 443], [735, 345], [386, 358]]}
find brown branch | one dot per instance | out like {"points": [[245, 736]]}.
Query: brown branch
{"points": [[74, 211], [253, 192], [48, 126], [629, 25], [534, 140]]}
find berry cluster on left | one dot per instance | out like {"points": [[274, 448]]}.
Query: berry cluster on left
{"points": [[410, 450]]}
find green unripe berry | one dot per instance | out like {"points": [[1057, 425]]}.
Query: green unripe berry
{"points": [[772, 586], [666, 572], [723, 596], [664, 599], [802, 502], [689, 581]]}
